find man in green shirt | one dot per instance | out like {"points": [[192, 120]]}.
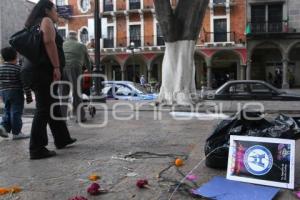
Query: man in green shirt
{"points": [[77, 58]]}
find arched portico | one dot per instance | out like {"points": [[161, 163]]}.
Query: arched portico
{"points": [[226, 65], [267, 63], [156, 68], [293, 74], [200, 70], [112, 67], [134, 67]]}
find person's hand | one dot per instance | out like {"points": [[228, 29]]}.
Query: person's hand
{"points": [[56, 74]]}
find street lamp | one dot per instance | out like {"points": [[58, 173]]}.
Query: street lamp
{"points": [[97, 70]]}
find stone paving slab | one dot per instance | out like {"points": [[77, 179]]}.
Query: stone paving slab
{"points": [[66, 175], [98, 150]]}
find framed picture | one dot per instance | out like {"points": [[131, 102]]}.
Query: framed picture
{"points": [[265, 161]]}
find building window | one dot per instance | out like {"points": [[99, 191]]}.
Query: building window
{"points": [[275, 15], [84, 35], [219, 1], [108, 5], [62, 33], [220, 30], [258, 13], [134, 4], [84, 5], [109, 41], [267, 18], [159, 37], [60, 2], [135, 34]]}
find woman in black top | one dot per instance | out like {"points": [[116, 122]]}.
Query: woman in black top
{"points": [[45, 72]]}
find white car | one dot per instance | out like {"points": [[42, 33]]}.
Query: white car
{"points": [[126, 90]]}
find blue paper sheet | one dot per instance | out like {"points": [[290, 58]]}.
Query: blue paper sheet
{"points": [[220, 188]]}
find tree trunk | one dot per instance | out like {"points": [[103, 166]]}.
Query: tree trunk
{"points": [[178, 72], [180, 28]]}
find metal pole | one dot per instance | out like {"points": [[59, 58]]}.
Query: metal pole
{"points": [[133, 61], [97, 70]]}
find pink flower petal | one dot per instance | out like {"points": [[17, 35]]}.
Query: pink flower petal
{"points": [[191, 177], [298, 194]]}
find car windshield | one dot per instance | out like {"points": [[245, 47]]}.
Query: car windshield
{"points": [[105, 89]]}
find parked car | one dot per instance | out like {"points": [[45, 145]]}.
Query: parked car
{"points": [[249, 90], [126, 90]]}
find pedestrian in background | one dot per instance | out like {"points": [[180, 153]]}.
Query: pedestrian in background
{"points": [[11, 91], [142, 80], [44, 74], [77, 58], [91, 44]]}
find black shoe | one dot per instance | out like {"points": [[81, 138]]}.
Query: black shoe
{"points": [[41, 154], [61, 146]]}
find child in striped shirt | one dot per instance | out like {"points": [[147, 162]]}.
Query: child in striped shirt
{"points": [[12, 93]]}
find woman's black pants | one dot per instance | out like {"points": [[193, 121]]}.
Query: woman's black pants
{"points": [[43, 116]]}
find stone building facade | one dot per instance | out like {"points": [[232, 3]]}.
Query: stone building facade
{"points": [[220, 54], [12, 18], [273, 41]]}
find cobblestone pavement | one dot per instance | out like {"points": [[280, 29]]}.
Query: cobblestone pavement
{"points": [[101, 149]]}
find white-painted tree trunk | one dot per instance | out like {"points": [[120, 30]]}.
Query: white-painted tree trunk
{"points": [[178, 73]]}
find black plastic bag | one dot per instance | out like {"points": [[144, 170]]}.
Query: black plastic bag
{"points": [[248, 124]]}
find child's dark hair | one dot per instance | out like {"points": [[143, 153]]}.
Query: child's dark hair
{"points": [[8, 54]]}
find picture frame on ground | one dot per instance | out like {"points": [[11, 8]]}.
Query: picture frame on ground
{"points": [[264, 161]]}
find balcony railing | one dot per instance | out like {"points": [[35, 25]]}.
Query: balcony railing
{"points": [[268, 27], [136, 39], [108, 8], [158, 41], [121, 42], [219, 37], [134, 5]]}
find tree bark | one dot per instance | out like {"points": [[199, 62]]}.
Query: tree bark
{"points": [[180, 28]]}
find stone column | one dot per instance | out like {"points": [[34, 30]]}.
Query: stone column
{"points": [[243, 67], [123, 71], [285, 82], [209, 75], [148, 78], [238, 71], [123, 75], [248, 76]]}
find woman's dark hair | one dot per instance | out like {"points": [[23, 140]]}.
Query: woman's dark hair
{"points": [[38, 12]]}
